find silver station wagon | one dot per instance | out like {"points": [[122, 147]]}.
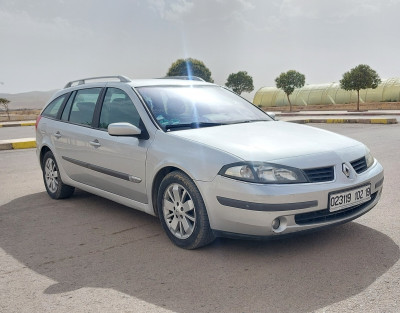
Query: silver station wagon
{"points": [[203, 160]]}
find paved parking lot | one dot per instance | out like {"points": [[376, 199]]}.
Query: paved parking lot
{"points": [[88, 254], [17, 132]]}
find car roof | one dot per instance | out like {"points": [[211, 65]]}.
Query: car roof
{"points": [[119, 79], [166, 82], [135, 83]]}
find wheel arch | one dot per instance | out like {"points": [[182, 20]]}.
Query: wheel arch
{"points": [[157, 182], [43, 151]]}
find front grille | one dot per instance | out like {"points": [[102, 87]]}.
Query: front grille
{"points": [[321, 174], [326, 216], [359, 165]]}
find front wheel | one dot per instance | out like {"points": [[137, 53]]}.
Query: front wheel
{"points": [[182, 212], [52, 179]]}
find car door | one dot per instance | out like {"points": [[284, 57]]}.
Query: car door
{"points": [[72, 136], [118, 162]]}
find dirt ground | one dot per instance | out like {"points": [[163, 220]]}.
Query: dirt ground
{"points": [[19, 115], [338, 107]]}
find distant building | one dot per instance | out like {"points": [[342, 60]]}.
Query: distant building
{"points": [[387, 91]]}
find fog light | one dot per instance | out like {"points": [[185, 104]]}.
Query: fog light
{"points": [[276, 223]]}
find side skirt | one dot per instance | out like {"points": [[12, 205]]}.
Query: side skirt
{"points": [[111, 196]]}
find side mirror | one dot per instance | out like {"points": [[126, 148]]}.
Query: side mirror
{"points": [[123, 129], [272, 115]]}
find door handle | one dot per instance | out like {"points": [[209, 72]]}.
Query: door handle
{"points": [[57, 135], [95, 143]]}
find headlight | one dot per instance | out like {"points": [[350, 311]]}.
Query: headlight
{"points": [[267, 173], [369, 159]]}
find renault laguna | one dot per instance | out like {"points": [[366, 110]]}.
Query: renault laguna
{"points": [[202, 159]]}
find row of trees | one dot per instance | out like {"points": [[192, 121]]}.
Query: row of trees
{"points": [[358, 78], [239, 82]]}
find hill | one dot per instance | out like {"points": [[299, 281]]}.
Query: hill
{"points": [[28, 100]]}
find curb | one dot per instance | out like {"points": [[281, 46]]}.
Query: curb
{"points": [[349, 121], [17, 124], [23, 143]]}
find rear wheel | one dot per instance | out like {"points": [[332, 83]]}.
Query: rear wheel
{"points": [[182, 212], [52, 179]]}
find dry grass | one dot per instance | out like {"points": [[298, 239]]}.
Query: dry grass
{"points": [[26, 112], [19, 115]]}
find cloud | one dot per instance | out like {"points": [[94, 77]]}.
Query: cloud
{"points": [[194, 11], [171, 10], [246, 4], [26, 26], [231, 13], [333, 10]]}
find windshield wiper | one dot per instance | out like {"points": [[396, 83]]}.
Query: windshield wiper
{"points": [[250, 121], [192, 125]]}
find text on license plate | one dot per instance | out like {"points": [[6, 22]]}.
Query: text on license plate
{"points": [[342, 200]]}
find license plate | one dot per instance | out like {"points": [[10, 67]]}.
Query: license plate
{"points": [[345, 199]]}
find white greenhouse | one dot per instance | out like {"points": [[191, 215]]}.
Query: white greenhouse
{"points": [[387, 91]]}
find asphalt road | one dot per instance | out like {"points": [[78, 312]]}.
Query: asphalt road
{"points": [[88, 254], [17, 132]]}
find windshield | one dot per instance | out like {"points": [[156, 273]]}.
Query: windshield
{"points": [[179, 107]]}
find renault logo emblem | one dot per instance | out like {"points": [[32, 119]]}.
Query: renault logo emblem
{"points": [[346, 170]]}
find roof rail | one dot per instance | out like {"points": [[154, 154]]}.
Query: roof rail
{"points": [[184, 78], [82, 81]]}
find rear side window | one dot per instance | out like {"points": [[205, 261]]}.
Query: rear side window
{"points": [[118, 107], [83, 106], [54, 106]]}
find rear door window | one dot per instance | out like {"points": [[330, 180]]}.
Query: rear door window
{"points": [[67, 108], [83, 106]]}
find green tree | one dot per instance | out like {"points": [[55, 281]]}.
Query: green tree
{"points": [[240, 82], [4, 102], [190, 67], [289, 81], [360, 77]]}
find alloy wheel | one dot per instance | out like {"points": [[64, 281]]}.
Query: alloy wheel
{"points": [[179, 211], [51, 175]]}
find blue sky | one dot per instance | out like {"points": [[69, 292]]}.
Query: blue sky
{"points": [[46, 43]]}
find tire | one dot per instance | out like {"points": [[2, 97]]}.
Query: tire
{"points": [[52, 178], [182, 212]]}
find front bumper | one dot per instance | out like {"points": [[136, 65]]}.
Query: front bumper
{"points": [[248, 209]]}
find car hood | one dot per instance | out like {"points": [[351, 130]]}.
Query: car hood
{"points": [[268, 141]]}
